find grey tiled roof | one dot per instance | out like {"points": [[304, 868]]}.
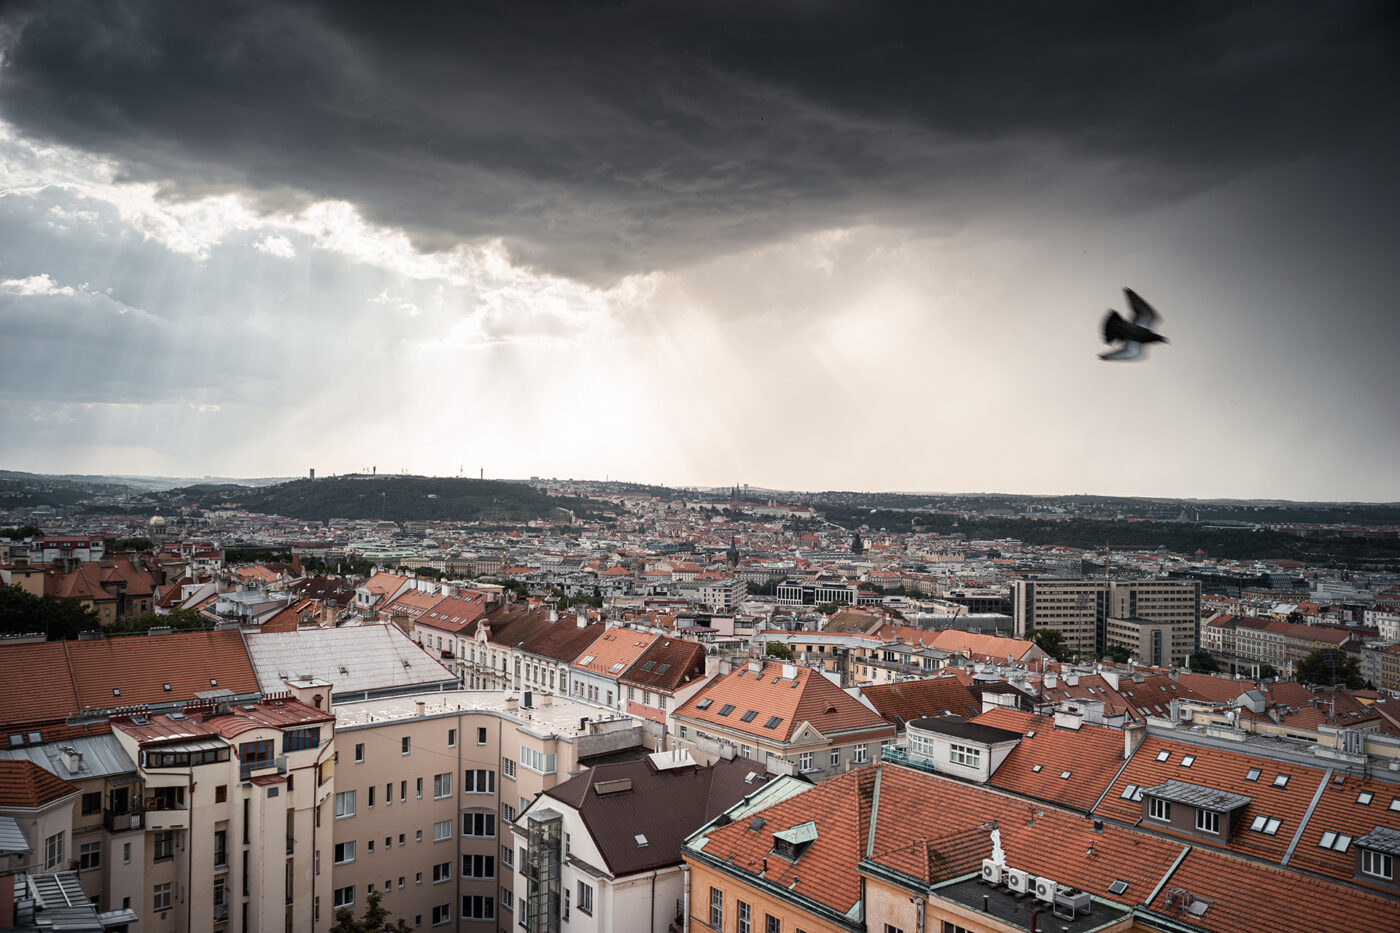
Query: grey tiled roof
{"points": [[1194, 795], [1382, 839]]}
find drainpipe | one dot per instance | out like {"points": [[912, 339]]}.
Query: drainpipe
{"points": [[189, 847], [685, 898], [653, 900]]}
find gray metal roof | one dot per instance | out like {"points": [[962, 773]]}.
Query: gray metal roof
{"points": [[355, 659], [103, 756], [12, 841], [61, 904], [1382, 839], [958, 727], [1194, 795]]}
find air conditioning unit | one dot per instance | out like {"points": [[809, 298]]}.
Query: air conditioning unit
{"points": [[1045, 890], [1017, 881], [991, 871]]}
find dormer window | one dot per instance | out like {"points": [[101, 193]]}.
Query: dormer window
{"points": [[791, 843]]}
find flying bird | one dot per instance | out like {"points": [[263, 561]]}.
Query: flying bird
{"points": [[1134, 333]]}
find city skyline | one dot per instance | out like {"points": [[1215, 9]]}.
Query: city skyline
{"points": [[847, 248]]}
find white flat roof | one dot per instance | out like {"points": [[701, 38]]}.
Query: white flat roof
{"points": [[550, 715]]}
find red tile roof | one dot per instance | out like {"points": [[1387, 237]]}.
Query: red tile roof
{"points": [[25, 784], [1091, 754], [915, 699], [1339, 811]]}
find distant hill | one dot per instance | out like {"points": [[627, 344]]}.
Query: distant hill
{"points": [[398, 499]]}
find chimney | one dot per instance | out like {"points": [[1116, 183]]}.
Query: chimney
{"points": [[755, 665], [422, 707], [581, 621], [72, 759], [1133, 734], [554, 615]]}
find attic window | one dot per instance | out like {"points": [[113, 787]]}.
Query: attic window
{"points": [[165, 687], [1268, 825], [705, 703], [749, 716], [726, 709], [16, 739], [641, 840], [1337, 842], [1198, 908], [1163, 755], [213, 682], [1253, 775], [1064, 775], [1364, 798], [1118, 887], [1188, 760], [757, 823], [116, 691], [1131, 792], [649, 665], [1394, 803], [663, 668], [1281, 781], [1035, 769], [773, 722]]}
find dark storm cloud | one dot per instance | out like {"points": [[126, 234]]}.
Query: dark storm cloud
{"points": [[605, 139]]}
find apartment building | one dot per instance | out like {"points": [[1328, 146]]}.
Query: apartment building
{"points": [[1080, 610], [428, 787], [663, 677], [769, 710], [595, 676], [601, 852]]}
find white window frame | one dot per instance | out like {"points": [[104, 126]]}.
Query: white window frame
{"points": [[1207, 821], [342, 798], [1159, 809]]}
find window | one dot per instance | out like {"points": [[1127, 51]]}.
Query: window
{"points": [[1337, 842], [370, 847], [508, 813], [508, 896], [161, 896], [479, 907], [716, 908], [442, 871], [585, 898], [772, 924], [1163, 755], [508, 768], [165, 845], [403, 791], [252, 752], [370, 801], [297, 740], [221, 794], [1131, 792], [344, 852], [89, 856], [388, 795], [478, 866], [1252, 774], [1377, 864], [1208, 821], [442, 785], [344, 804], [836, 757], [479, 824], [480, 735], [1281, 781], [508, 856], [419, 786], [1159, 809], [1364, 798], [479, 781], [404, 746], [1268, 825], [451, 738], [536, 761], [359, 759], [344, 897], [965, 755], [442, 830], [126, 853], [92, 802], [743, 913], [804, 761], [1188, 760], [726, 709], [442, 914], [220, 848], [861, 755]]}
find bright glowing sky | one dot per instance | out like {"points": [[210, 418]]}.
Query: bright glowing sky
{"points": [[807, 246]]}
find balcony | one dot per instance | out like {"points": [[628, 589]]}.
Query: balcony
{"points": [[220, 913], [447, 653], [247, 769], [119, 821]]}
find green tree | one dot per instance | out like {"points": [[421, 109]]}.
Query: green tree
{"points": [[432, 573], [23, 531], [127, 544], [1203, 662], [516, 587], [1267, 672], [776, 649], [834, 606], [181, 620], [1296, 618], [1118, 654], [1328, 667], [375, 920], [1052, 642], [23, 613]]}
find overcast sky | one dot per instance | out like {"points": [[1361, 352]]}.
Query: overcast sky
{"points": [[798, 245]]}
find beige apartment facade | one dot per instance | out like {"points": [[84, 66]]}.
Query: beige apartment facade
{"points": [[428, 788], [1080, 609]]}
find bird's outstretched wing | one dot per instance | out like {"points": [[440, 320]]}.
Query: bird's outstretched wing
{"points": [[1144, 315], [1130, 350]]}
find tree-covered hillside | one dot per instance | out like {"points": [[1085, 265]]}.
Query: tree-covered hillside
{"points": [[403, 498]]}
